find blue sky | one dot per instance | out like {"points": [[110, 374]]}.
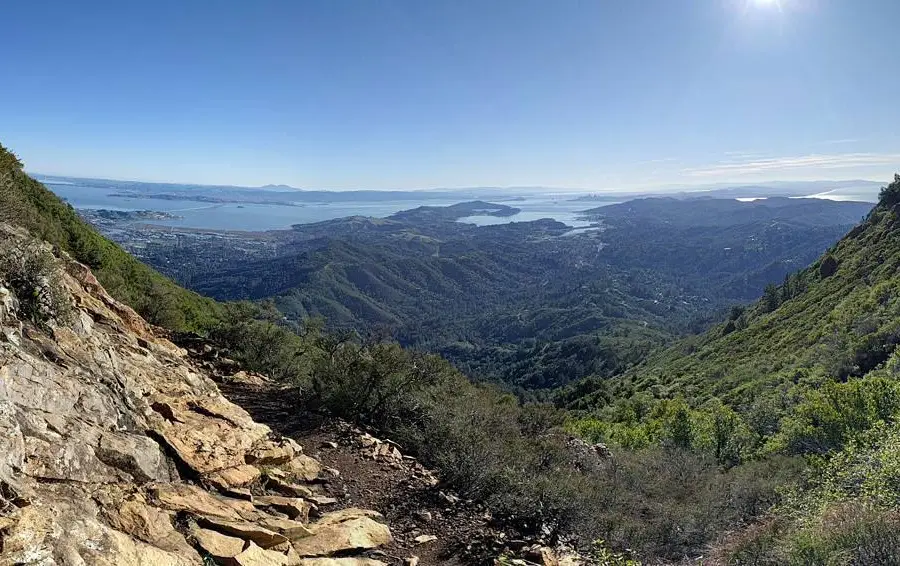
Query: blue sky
{"points": [[415, 94]]}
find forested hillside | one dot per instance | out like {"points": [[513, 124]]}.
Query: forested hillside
{"points": [[26, 202], [532, 304], [812, 371]]}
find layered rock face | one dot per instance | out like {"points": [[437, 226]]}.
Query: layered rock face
{"points": [[116, 449]]}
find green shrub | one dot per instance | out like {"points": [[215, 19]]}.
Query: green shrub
{"points": [[830, 416], [851, 533], [27, 203], [31, 273]]}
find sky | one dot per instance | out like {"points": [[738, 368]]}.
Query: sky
{"points": [[378, 94]]}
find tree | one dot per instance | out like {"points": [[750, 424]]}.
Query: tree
{"points": [[771, 298]]}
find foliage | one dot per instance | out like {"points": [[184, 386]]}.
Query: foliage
{"points": [[781, 431], [30, 272], [27, 203], [820, 329]]}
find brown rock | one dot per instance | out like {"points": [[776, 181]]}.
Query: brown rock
{"points": [[270, 453], [138, 519], [302, 466], [203, 433], [68, 461], [256, 556], [196, 501], [239, 493], [344, 531], [135, 454], [238, 476], [291, 506], [292, 530], [219, 546], [322, 500], [243, 529], [289, 488]]}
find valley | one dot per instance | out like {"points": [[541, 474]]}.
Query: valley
{"points": [[531, 305]]}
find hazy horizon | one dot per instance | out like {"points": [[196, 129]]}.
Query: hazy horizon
{"points": [[773, 184]]}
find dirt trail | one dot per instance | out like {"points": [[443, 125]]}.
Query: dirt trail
{"points": [[407, 494]]}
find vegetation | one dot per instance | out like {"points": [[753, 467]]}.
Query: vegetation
{"points": [[773, 438], [27, 203], [28, 272], [662, 501], [809, 372], [527, 304]]}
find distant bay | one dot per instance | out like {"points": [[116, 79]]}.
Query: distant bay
{"points": [[248, 216]]}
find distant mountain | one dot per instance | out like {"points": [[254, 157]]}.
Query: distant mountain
{"points": [[708, 211], [279, 188]]}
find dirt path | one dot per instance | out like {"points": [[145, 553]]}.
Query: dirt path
{"points": [[407, 494]]}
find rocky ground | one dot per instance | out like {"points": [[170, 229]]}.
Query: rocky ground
{"points": [[431, 524], [117, 447]]}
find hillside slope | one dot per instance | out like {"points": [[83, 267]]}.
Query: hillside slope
{"points": [[528, 480], [808, 373], [117, 449], [529, 304], [837, 319], [27, 203]]}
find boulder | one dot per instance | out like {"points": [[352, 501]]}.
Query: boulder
{"points": [[344, 531], [204, 435], [244, 530], [270, 453], [237, 476], [219, 546], [304, 467]]}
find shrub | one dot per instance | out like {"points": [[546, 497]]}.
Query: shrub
{"points": [[851, 533], [827, 418], [30, 272]]}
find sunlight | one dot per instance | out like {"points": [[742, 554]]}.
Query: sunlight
{"points": [[766, 3]]}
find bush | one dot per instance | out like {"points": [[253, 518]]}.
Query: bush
{"points": [[851, 533], [829, 417], [30, 271]]}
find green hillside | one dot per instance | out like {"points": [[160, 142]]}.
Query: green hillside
{"points": [[529, 304], [514, 459], [810, 371], [837, 319], [27, 203]]}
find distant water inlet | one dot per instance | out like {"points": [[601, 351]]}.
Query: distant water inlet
{"points": [[249, 216]]}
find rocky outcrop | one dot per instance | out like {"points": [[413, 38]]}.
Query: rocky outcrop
{"points": [[115, 448]]}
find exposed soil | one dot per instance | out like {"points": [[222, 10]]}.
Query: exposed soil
{"points": [[408, 495]]}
